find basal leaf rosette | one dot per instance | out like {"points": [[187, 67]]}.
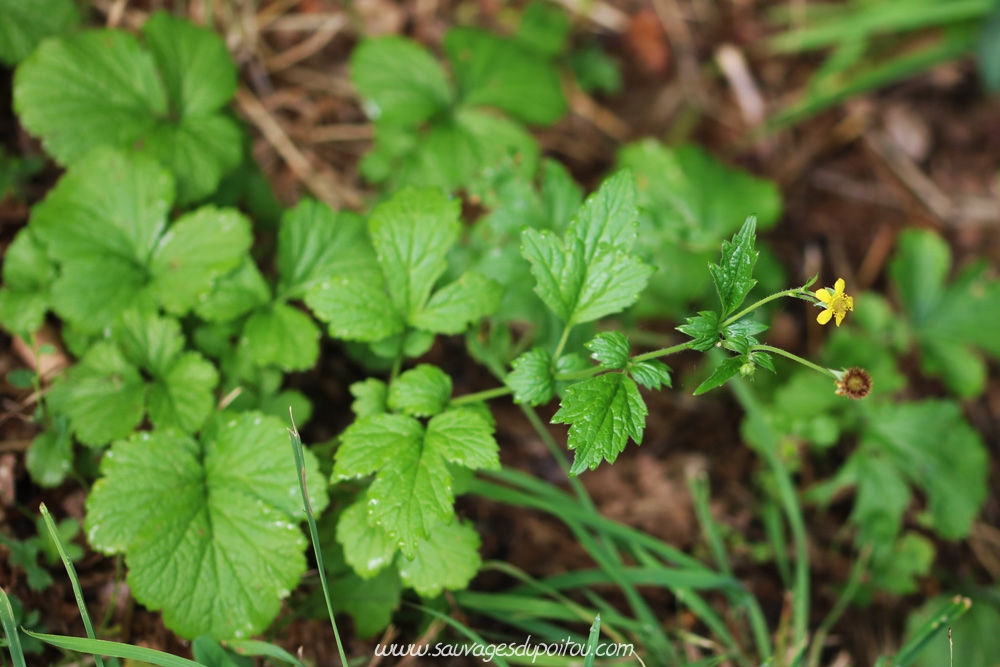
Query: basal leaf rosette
{"points": [[209, 529]]}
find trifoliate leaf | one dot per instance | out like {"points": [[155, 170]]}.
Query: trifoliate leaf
{"points": [[399, 80], [412, 488], [356, 308], [610, 349], [603, 411], [651, 374], [497, 72], [25, 25], [531, 378], [102, 88], [208, 529], [722, 374], [103, 396], [315, 243], [283, 336], [454, 306], [589, 273], [704, 329], [235, 294], [50, 457], [543, 28], [937, 450], [448, 559], [182, 397], [733, 275], [420, 392], [412, 233], [369, 397], [28, 274], [149, 341], [366, 548]]}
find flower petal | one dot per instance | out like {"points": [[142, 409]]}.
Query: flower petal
{"points": [[840, 316], [823, 294], [839, 285], [824, 317]]}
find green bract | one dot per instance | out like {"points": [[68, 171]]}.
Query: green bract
{"points": [[208, 528], [104, 88], [391, 295]]}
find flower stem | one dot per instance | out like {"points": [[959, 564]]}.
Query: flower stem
{"points": [[758, 304], [673, 349], [485, 395], [562, 343], [794, 357]]}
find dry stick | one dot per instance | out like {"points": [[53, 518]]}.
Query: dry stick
{"points": [[682, 42], [604, 120], [330, 27], [322, 185], [341, 132], [601, 13], [270, 13]]}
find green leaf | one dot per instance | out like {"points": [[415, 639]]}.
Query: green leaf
{"points": [[420, 392], [448, 559], [50, 457], [651, 374], [103, 396], [733, 275], [723, 373], [935, 448], [589, 274], [988, 55], [603, 411], [28, 275], [974, 639], [596, 71], [366, 548], [315, 243], [356, 308], [531, 379], [497, 72], [400, 82], [412, 233], [182, 397], [22, 378], [610, 349], [543, 28], [370, 397], [26, 25], [111, 91], [919, 270], [283, 336], [371, 602], [453, 307], [149, 341], [895, 569], [412, 488], [235, 294], [24, 554], [198, 248], [882, 498], [208, 529], [704, 329]]}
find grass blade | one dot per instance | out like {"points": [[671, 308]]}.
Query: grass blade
{"points": [[10, 629], [255, 648], [115, 649], [74, 580], [951, 611], [595, 635]]}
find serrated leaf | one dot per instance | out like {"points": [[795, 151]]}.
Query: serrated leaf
{"points": [[651, 374], [182, 397], [370, 397], [568, 364], [283, 336], [938, 451], [603, 412], [315, 243], [531, 379], [607, 217], [420, 392], [195, 250], [149, 341], [614, 280], [28, 274], [704, 329], [448, 559], [103, 396], [610, 349], [729, 368], [235, 294], [399, 80], [453, 307], [367, 548], [733, 275], [356, 308], [497, 72], [208, 529], [25, 26], [464, 436], [90, 293], [412, 233], [111, 91]]}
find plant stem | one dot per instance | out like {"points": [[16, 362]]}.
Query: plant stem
{"points": [[484, 395], [794, 357], [562, 343], [673, 349], [758, 304]]}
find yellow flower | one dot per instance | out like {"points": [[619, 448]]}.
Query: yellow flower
{"points": [[837, 303]]}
